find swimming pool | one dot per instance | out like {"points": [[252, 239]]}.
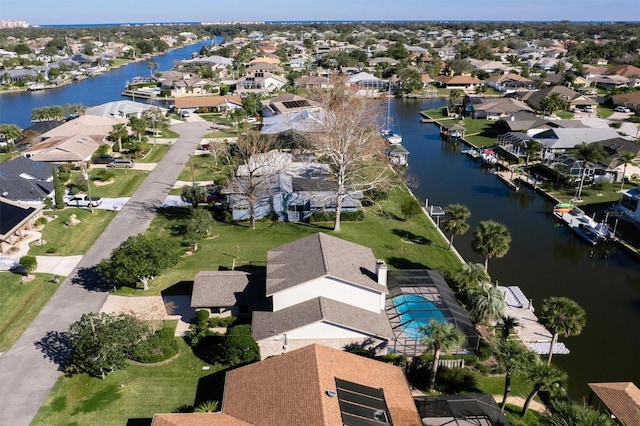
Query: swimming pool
{"points": [[415, 311]]}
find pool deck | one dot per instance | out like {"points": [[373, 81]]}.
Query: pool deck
{"points": [[530, 331]]}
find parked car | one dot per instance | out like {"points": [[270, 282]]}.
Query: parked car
{"points": [[102, 159], [621, 109], [119, 163], [82, 200], [588, 109], [576, 110]]}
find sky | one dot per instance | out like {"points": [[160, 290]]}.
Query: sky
{"points": [[55, 12]]}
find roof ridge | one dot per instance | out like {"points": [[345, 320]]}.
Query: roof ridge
{"points": [[325, 260]]}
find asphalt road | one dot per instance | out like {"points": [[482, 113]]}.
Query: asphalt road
{"points": [[31, 367]]}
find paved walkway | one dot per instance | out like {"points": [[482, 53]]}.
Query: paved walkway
{"points": [[31, 367]]}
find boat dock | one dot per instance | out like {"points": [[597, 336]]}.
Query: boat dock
{"points": [[530, 331], [586, 227]]}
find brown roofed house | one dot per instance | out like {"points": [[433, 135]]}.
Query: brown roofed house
{"points": [[621, 399]]}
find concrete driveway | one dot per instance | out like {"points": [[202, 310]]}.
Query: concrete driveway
{"points": [[30, 368], [57, 265]]}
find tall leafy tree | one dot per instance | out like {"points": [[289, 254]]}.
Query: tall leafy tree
{"points": [[507, 325], [10, 132], [491, 239], [543, 376], [138, 126], [485, 303], [513, 357], [456, 223], [562, 317], [119, 132], [471, 275], [138, 259], [103, 343], [439, 337], [193, 194], [58, 189]]}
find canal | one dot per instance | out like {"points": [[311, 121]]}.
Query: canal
{"points": [[545, 259], [15, 108]]}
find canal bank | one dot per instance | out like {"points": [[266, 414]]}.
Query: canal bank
{"points": [[545, 258]]}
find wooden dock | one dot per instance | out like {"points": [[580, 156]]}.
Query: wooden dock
{"points": [[530, 331]]}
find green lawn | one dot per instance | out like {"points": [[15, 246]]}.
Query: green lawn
{"points": [[136, 392], [414, 243], [124, 184], [479, 132], [74, 240], [201, 168], [6, 156], [155, 154], [20, 304]]}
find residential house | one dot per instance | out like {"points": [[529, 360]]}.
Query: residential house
{"points": [[630, 100], [323, 290], [630, 205], [510, 83], [493, 108], [492, 67], [73, 149], [532, 124], [17, 220], [315, 386], [120, 109], [573, 98], [614, 167], [288, 103], [368, 84], [182, 84], [612, 81], [211, 103], [226, 293], [619, 399], [313, 82], [25, 181], [557, 140], [457, 81], [260, 82]]}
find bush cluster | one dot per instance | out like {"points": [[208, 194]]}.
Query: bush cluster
{"points": [[158, 347], [328, 216]]}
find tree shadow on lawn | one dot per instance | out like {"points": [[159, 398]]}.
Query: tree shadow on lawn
{"points": [[56, 347], [139, 422], [91, 280], [401, 263], [411, 237], [181, 288]]}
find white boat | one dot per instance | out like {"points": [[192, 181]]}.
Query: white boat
{"points": [[389, 135], [586, 227], [489, 156]]}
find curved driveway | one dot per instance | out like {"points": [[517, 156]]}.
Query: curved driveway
{"points": [[30, 368]]}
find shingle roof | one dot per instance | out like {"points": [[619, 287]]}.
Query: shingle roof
{"points": [[570, 137], [622, 399], [226, 288], [13, 216], [22, 179], [320, 255], [320, 309], [290, 389], [21, 166]]}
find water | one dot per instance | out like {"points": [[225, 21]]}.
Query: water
{"points": [[15, 108], [416, 312], [545, 259]]}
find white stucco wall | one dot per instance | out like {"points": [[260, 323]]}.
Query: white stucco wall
{"points": [[331, 289]]}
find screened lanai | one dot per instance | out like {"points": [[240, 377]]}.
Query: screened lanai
{"points": [[417, 296]]}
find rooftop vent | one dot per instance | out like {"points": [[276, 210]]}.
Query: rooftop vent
{"points": [[331, 393]]}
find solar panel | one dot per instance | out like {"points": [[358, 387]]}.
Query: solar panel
{"points": [[362, 405], [296, 104]]}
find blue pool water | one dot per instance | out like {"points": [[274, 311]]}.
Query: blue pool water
{"points": [[415, 312]]}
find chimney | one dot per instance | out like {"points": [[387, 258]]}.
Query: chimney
{"points": [[381, 272]]}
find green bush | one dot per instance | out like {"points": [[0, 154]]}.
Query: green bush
{"points": [[48, 203], [51, 250], [202, 315], [28, 263], [221, 321], [103, 175], [239, 346], [455, 380], [329, 216], [160, 346], [41, 221]]}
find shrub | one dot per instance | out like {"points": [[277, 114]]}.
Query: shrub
{"points": [[455, 380], [329, 216], [28, 263], [239, 346], [41, 221], [48, 203], [221, 321], [202, 315], [51, 250], [104, 174], [160, 346]]}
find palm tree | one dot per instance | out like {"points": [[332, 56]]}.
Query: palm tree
{"points": [[512, 356], [471, 275], [507, 324], [544, 377], [591, 153], [626, 158], [485, 303], [437, 337], [207, 407], [491, 239], [456, 223], [532, 149], [568, 414], [563, 317]]}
